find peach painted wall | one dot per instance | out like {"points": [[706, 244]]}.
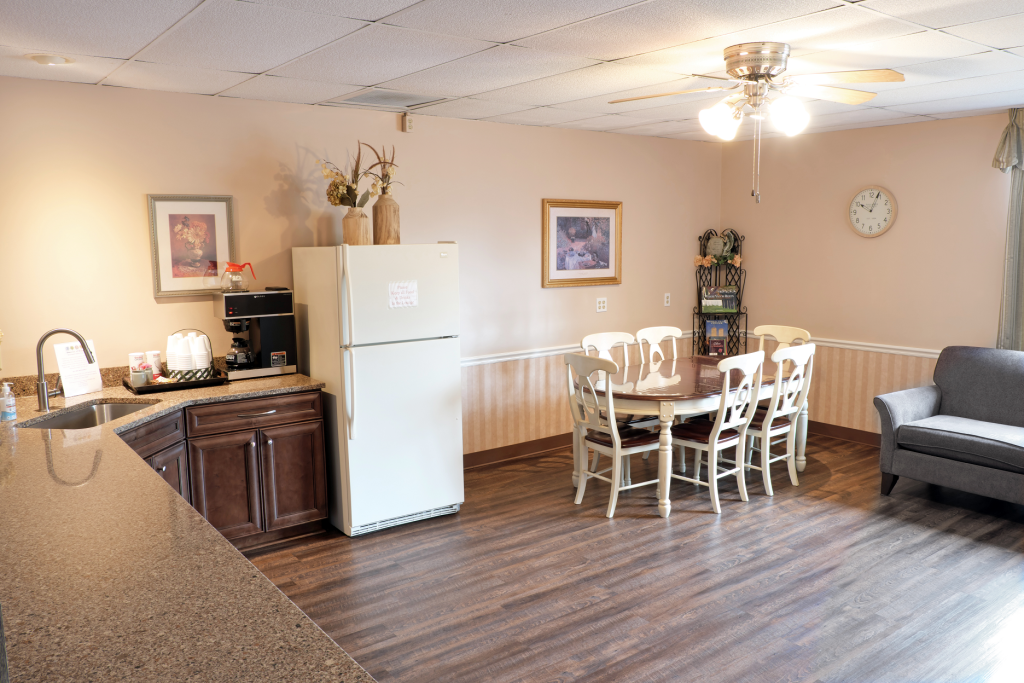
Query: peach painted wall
{"points": [[933, 280], [77, 161]]}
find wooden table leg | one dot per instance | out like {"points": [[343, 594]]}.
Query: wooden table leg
{"points": [[665, 457], [575, 459], [801, 440]]}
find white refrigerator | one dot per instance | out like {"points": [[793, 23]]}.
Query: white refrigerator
{"points": [[380, 325]]}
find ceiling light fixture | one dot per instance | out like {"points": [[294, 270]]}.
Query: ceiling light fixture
{"points": [[50, 60], [754, 67]]}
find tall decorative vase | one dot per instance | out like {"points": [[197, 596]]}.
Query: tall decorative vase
{"points": [[385, 220], [355, 227]]}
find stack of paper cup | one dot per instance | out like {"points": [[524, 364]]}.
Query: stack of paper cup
{"points": [[201, 353]]}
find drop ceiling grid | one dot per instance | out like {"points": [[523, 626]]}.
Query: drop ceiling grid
{"points": [[581, 68]]}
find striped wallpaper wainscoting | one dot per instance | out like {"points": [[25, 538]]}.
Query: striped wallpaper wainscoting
{"points": [[514, 398]]}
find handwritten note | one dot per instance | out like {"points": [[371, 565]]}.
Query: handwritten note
{"points": [[77, 374], [403, 294]]}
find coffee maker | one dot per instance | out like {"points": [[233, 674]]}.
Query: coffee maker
{"points": [[268, 320]]}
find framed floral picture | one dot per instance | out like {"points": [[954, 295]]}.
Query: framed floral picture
{"points": [[192, 237], [581, 243]]}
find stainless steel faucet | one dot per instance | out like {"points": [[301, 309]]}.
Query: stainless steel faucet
{"points": [[42, 391]]}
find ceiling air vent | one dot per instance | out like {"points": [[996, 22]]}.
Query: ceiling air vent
{"points": [[388, 99]]}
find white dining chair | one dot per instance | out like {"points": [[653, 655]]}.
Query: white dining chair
{"points": [[788, 398], [653, 336], [787, 336], [735, 412], [604, 342], [594, 417]]}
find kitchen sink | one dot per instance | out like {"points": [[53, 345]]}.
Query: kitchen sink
{"points": [[88, 416]]}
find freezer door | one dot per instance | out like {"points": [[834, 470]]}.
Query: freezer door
{"points": [[401, 430], [398, 293]]}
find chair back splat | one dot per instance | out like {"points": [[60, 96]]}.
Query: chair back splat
{"points": [[603, 342], [592, 411], [654, 336]]}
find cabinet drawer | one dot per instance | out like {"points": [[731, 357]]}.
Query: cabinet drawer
{"points": [[218, 418], [172, 465], [153, 437]]}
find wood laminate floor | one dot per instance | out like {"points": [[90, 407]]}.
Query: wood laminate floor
{"points": [[825, 582]]}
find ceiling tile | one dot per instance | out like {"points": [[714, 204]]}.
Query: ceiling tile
{"points": [[84, 69], [295, 90], [541, 116], [950, 89], [500, 20], [1009, 98], [112, 28], [661, 129], [600, 104], [243, 36], [380, 53], [893, 53], [871, 124], [969, 112], [602, 123], [492, 69], [469, 108], [942, 13], [862, 115], [696, 136], [368, 10], [1003, 32], [174, 78], [826, 30], [664, 23], [678, 112], [591, 81]]}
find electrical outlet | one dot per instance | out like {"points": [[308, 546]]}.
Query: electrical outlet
{"points": [[407, 123], [602, 305], [668, 299]]}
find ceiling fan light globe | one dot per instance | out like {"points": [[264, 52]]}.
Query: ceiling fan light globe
{"points": [[789, 115], [729, 128], [716, 119]]}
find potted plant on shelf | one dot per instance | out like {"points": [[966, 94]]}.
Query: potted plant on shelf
{"points": [[385, 209]]}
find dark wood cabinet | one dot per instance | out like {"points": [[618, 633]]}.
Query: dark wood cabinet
{"points": [[294, 477], [224, 472], [255, 468], [172, 465]]}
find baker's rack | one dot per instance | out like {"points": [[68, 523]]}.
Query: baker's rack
{"points": [[721, 276]]}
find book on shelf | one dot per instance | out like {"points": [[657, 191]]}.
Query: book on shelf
{"points": [[720, 299], [717, 331]]}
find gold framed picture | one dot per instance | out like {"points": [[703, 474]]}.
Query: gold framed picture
{"points": [[581, 243], [191, 238]]}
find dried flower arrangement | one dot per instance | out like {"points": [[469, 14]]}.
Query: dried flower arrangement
{"points": [[709, 260], [386, 176]]}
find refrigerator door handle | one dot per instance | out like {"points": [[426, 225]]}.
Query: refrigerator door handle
{"points": [[347, 279], [350, 404]]}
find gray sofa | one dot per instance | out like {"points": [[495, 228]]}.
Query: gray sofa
{"points": [[966, 431]]}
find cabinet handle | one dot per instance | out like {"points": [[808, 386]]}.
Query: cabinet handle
{"points": [[162, 469], [270, 442], [269, 412]]}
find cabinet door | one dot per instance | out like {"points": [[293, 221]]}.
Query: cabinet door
{"points": [[294, 478], [172, 464], [225, 482]]}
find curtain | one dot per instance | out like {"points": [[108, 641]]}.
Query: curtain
{"points": [[1009, 158]]}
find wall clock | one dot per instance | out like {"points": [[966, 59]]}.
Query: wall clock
{"points": [[872, 211]]}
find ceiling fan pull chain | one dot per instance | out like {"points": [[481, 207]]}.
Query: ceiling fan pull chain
{"points": [[756, 191]]}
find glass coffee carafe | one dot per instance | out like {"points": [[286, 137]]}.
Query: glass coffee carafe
{"points": [[233, 279]]}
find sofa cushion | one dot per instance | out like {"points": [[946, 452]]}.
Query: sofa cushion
{"points": [[982, 384], [975, 442]]}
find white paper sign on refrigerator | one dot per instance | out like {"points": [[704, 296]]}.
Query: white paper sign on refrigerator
{"points": [[403, 294]]}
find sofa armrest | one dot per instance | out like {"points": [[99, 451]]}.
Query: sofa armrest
{"points": [[899, 408]]}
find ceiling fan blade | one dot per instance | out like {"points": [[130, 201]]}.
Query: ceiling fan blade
{"points": [[666, 94], [821, 92], [865, 76]]}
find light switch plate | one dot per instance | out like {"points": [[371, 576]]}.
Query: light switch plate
{"points": [[602, 305], [668, 299]]}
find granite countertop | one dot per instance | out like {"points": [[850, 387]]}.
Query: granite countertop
{"points": [[107, 574]]}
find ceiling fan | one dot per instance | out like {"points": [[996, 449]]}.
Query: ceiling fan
{"points": [[755, 70]]}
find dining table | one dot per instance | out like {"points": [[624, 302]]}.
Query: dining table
{"points": [[678, 388]]}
